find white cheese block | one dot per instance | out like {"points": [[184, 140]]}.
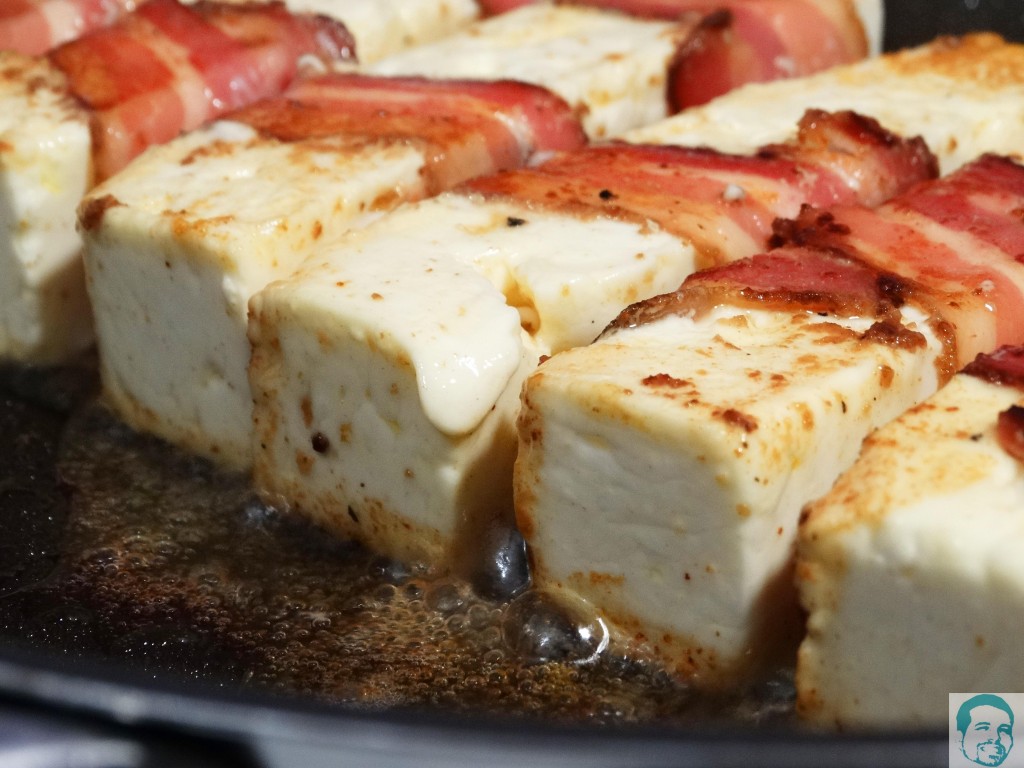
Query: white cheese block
{"points": [[405, 348], [177, 243], [964, 97], [662, 470], [610, 68], [44, 170], [911, 568], [384, 27]]}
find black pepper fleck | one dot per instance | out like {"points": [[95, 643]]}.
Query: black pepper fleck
{"points": [[320, 442], [515, 221], [606, 194]]}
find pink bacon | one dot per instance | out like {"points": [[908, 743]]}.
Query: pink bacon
{"points": [[168, 68], [742, 41], [1005, 367], [857, 261], [33, 27], [760, 40], [701, 195], [466, 128], [961, 237]]}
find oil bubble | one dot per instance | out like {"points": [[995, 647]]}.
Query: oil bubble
{"points": [[540, 631], [504, 571], [445, 597]]}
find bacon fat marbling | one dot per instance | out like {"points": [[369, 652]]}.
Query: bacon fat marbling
{"points": [[724, 204], [508, 120], [170, 67]]}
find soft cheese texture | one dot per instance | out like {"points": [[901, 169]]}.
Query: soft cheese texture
{"points": [[44, 171], [611, 68], [185, 236], [401, 353], [662, 470], [910, 568], [964, 96], [384, 27]]}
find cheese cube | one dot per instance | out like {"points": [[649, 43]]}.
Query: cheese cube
{"points": [[662, 470], [44, 170], [910, 568], [384, 27], [386, 372], [177, 243]]}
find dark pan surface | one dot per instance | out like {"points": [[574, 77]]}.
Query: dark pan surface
{"points": [[911, 22], [119, 548], [140, 586]]}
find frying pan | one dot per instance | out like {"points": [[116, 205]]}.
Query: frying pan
{"points": [[152, 613]]}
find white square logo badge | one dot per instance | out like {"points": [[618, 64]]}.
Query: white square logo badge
{"points": [[983, 730]]}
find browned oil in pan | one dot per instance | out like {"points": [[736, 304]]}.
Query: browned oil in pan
{"points": [[120, 547]]}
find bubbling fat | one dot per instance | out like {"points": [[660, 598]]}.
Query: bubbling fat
{"points": [[170, 565]]}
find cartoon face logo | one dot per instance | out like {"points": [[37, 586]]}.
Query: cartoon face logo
{"points": [[985, 723]]}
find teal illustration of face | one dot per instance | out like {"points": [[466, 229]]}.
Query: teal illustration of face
{"points": [[988, 738]]}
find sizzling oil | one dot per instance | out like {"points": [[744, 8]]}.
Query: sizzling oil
{"points": [[168, 565]]}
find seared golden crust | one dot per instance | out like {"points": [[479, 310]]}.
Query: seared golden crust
{"points": [[984, 59]]}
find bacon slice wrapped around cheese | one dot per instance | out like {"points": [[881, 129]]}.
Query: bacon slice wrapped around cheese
{"points": [[703, 420], [724, 205], [169, 67], [909, 567], [464, 128], [962, 237], [33, 27]]}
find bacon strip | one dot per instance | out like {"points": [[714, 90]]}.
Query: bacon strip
{"points": [[853, 260], [1004, 366], [724, 204], [797, 279], [816, 281], [168, 68], [758, 41], [494, 7], [33, 27], [961, 236], [742, 41], [466, 128]]}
